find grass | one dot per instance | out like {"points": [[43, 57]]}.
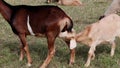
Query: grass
{"points": [[82, 16]]}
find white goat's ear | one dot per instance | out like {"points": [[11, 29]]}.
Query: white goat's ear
{"points": [[73, 43]]}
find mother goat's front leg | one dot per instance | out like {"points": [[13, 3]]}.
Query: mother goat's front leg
{"points": [[72, 53], [51, 49]]}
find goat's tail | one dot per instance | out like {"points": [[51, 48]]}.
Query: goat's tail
{"points": [[68, 25]]}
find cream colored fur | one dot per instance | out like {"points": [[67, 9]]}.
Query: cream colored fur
{"points": [[70, 2], [105, 30]]}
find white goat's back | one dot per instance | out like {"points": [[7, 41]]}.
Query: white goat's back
{"points": [[106, 29]]}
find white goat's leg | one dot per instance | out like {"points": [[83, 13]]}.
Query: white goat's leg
{"points": [[48, 1], [88, 60], [91, 54], [59, 2], [113, 49], [93, 57]]}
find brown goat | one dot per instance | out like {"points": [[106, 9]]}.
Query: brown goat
{"points": [[105, 30], [49, 21]]}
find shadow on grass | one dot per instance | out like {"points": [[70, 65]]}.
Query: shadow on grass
{"points": [[82, 51]]}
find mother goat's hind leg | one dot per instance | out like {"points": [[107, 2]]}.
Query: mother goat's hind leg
{"points": [[22, 52], [25, 49]]}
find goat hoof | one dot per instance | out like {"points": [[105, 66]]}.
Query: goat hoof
{"points": [[47, 2], [71, 64], [20, 59], [111, 55], [42, 67], [86, 65], [93, 58], [29, 64]]}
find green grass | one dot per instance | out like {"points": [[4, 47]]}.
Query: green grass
{"points": [[81, 16]]}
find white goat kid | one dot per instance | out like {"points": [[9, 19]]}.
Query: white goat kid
{"points": [[105, 30]]}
